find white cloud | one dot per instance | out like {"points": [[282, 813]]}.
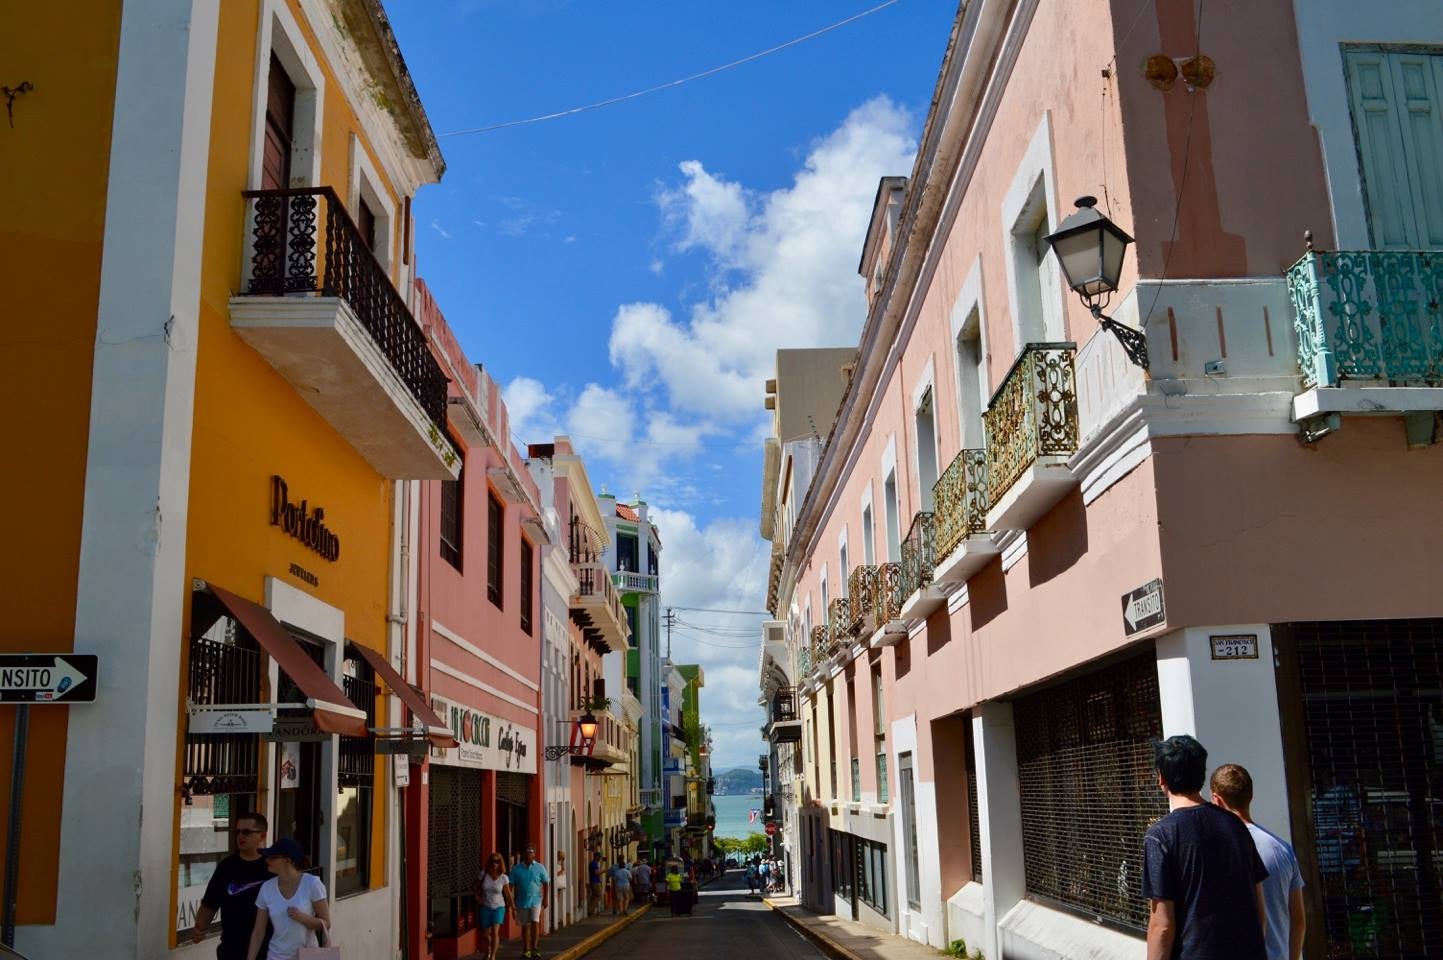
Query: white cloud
{"points": [[533, 417], [601, 423], [791, 257]]}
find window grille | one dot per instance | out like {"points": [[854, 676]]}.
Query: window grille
{"points": [[1372, 716], [357, 767], [856, 780], [881, 773], [974, 817], [453, 838], [1088, 789], [224, 668]]}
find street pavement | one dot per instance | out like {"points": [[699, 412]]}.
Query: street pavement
{"points": [[728, 923]]}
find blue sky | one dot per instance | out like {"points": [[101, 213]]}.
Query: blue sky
{"points": [[627, 272]]}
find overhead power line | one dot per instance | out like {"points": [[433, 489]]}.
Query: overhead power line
{"points": [[611, 101]]}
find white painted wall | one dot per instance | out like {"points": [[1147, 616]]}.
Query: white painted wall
{"points": [[999, 806], [927, 924]]}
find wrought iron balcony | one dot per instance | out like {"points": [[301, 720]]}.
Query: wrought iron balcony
{"points": [[960, 496], [839, 625], [862, 589], [320, 308], [1370, 316], [1031, 427], [915, 596], [821, 647], [785, 724], [596, 607], [804, 662]]}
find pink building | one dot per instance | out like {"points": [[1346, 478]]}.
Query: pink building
{"points": [[1022, 555], [477, 645]]}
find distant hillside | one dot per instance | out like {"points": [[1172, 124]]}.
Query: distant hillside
{"points": [[738, 780]]}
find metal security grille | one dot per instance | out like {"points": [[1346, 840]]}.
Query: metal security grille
{"points": [[357, 761], [1373, 718], [224, 668], [974, 818], [1084, 759], [453, 843], [512, 787]]}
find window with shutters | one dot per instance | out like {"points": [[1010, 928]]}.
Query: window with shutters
{"points": [[495, 544], [526, 585], [451, 525], [1396, 97], [1081, 846], [279, 128]]}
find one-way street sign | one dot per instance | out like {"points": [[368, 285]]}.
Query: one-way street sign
{"points": [[1143, 608], [48, 677]]}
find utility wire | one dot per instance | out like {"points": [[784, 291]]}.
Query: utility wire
{"points": [[610, 101], [740, 613]]}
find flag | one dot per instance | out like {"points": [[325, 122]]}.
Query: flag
{"points": [[752, 816]]}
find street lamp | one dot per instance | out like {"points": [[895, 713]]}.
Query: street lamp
{"points": [[1090, 249], [586, 727]]}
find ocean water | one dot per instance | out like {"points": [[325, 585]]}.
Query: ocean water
{"points": [[731, 815]]}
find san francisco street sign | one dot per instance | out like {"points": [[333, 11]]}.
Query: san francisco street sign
{"points": [[1143, 608], [48, 677]]}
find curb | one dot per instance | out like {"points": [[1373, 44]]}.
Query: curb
{"points": [[601, 936], [829, 946]]}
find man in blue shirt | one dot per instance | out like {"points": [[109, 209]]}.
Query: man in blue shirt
{"points": [[531, 886], [1232, 789]]}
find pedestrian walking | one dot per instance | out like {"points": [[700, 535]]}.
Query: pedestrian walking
{"points": [[1232, 789], [673, 891], [292, 904], [493, 893], [620, 887], [595, 886], [1200, 871], [232, 890], [531, 893], [751, 876], [765, 872], [641, 881]]}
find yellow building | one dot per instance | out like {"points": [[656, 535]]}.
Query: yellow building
{"points": [[216, 388]]}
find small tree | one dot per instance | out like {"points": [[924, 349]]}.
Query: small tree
{"points": [[756, 843]]}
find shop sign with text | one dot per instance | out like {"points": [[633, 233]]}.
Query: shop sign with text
{"points": [[486, 741]]}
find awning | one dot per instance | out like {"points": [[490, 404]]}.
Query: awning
{"points": [[436, 730], [330, 709]]}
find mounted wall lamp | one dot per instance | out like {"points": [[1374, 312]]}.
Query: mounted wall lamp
{"points": [[586, 726], [1090, 249]]}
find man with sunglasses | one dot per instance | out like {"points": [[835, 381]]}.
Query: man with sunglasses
{"points": [[232, 890]]}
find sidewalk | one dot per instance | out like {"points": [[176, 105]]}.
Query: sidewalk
{"points": [[847, 939], [574, 941]]}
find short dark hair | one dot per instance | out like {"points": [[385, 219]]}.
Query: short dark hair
{"points": [[1182, 762], [259, 819], [1234, 785]]}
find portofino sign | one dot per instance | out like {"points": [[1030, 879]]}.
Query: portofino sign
{"points": [[303, 522], [485, 741]]}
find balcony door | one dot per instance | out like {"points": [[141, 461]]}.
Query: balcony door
{"points": [[1397, 103], [280, 128]]}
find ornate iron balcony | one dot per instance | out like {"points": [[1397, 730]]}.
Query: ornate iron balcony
{"points": [[820, 644], [303, 241], [862, 588], [885, 599], [960, 499], [919, 556], [1368, 315], [804, 663], [839, 624], [1033, 414]]}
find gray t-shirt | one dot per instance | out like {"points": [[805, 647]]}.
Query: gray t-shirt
{"points": [[1284, 876]]}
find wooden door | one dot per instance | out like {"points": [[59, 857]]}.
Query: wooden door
{"points": [[280, 119]]}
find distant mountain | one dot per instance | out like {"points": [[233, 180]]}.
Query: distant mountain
{"points": [[739, 780]]}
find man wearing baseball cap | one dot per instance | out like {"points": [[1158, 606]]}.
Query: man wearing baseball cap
{"points": [[532, 887]]}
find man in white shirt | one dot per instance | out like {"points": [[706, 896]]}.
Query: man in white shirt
{"points": [[1232, 789]]}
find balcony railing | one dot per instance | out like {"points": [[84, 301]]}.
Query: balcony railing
{"points": [[585, 543], [1369, 315], [839, 624], [960, 499], [886, 603], [628, 581], [804, 663], [303, 241], [820, 646], [784, 705], [1032, 415], [862, 589], [919, 556]]}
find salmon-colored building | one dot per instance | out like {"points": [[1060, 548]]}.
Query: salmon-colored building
{"points": [[1025, 549]]}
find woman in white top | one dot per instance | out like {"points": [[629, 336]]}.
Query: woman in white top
{"points": [[493, 892], [293, 904]]}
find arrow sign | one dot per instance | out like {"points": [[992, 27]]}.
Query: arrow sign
{"points": [[48, 677], [1143, 608]]}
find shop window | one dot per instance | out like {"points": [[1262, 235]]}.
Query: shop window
{"points": [[297, 775], [357, 772], [512, 799], [220, 772], [453, 847], [1081, 847], [526, 586], [495, 532], [451, 521]]}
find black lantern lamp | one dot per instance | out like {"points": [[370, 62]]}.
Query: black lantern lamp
{"points": [[585, 726], [1090, 249]]}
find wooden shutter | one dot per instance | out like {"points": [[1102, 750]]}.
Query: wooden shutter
{"points": [[366, 223], [1398, 120], [280, 122]]}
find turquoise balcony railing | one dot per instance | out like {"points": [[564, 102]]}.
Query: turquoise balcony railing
{"points": [[1369, 315]]}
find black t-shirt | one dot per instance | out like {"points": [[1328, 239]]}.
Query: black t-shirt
{"points": [[1203, 860], [232, 890]]}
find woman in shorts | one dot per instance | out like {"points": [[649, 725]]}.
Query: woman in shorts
{"points": [[493, 894]]}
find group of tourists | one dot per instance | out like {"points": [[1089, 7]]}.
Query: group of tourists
{"points": [[1218, 884], [764, 875]]}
